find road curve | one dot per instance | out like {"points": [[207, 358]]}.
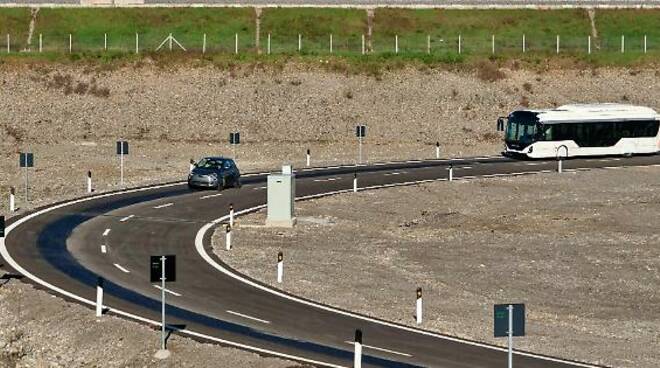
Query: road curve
{"points": [[65, 247]]}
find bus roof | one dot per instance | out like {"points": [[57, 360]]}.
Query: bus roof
{"points": [[595, 112]]}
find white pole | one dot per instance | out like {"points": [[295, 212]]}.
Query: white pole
{"points": [[280, 267], [231, 215], [70, 43], [510, 308], [331, 43], [236, 44], [308, 157], [41, 42], [589, 45], [137, 43], [623, 43], [428, 44], [299, 42], [204, 44], [105, 42], [437, 150], [396, 44], [363, 44], [645, 44], [357, 357], [492, 44], [451, 172], [523, 44], [99, 297], [559, 165], [557, 44], [8, 41], [228, 237], [121, 164], [418, 307], [89, 182], [360, 150], [12, 199], [170, 38], [355, 183], [162, 298], [459, 44], [269, 44]]}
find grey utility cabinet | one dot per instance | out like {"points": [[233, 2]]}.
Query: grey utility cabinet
{"points": [[281, 195]]}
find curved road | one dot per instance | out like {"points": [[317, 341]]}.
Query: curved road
{"points": [[65, 247]]}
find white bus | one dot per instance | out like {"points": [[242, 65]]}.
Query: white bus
{"points": [[581, 130]]}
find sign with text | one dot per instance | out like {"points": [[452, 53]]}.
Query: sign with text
{"points": [[501, 318], [122, 147], [157, 271], [26, 159]]}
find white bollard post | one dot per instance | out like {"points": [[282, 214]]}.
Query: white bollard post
{"points": [[589, 45], [8, 46], [268, 44], [231, 215], [396, 44], [12, 199], [623, 44], [204, 44], [192, 165], [331, 43], [355, 183], [137, 43], [89, 181], [299, 42], [363, 44], [41, 42], [236, 44], [428, 44], [280, 267], [228, 237], [309, 158], [557, 44], [99, 297], [451, 172], [357, 357], [437, 150], [418, 307]]}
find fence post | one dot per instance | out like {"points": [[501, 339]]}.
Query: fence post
{"points": [[363, 44], [8, 42], [589, 44], [623, 43], [40, 42], [269, 44], [204, 44], [70, 43], [557, 44], [137, 43], [523, 43], [492, 44], [236, 44], [645, 44], [299, 42], [396, 44], [105, 42], [459, 43], [428, 44], [331, 43]]}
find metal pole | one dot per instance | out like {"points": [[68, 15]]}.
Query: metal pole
{"points": [[269, 44], [204, 44], [557, 44], [510, 308], [137, 43], [162, 297], [331, 43], [40, 42], [360, 150]]}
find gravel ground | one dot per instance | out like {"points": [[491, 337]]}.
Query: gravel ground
{"points": [[580, 249]]}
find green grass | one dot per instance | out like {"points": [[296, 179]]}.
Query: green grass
{"points": [[475, 27]]}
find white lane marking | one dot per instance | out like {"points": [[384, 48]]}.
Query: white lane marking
{"points": [[104, 249], [122, 268], [167, 290], [535, 163], [260, 188], [210, 196], [7, 257], [328, 179], [464, 167], [396, 173], [127, 218], [164, 205], [380, 349], [248, 317], [106, 232]]}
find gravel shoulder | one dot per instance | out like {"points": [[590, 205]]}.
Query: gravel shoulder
{"points": [[580, 249]]}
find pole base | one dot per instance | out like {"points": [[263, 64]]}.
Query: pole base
{"points": [[162, 354]]}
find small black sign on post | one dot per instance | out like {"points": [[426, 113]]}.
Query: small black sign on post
{"points": [[509, 321], [234, 140], [163, 269], [500, 124], [26, 160], [360, 133], [2, 227], [122, 149]]}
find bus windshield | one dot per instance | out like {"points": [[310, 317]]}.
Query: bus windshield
{"points": [[522, 127]]}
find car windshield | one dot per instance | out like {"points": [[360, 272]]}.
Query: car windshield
{"points": [[208, 163], [522, 127]]}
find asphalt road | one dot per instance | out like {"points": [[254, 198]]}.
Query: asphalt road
{"points": [[113, 237]]}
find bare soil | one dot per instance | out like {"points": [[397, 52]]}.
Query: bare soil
{"points": [[582, 250]]}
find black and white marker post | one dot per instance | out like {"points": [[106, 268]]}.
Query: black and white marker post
{"points": [[26, 160], [355, 183], [360, 133], [2, 227], [89, 182], [509, 321], [163, 269], [437, 150], [357, 357], [308, 157], [99, 297], [451, 172], [228, 237], [280, 267], [122, 149], [234, 140], [418, 306], [231, 215], [12, 199]]}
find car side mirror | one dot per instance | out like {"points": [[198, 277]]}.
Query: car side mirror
{"points": [[500, 124]]}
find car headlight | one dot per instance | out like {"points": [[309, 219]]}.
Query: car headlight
{"points": [[213, 175]]}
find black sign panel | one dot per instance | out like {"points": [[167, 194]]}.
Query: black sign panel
{"points": [[26, 160], [122, 147], [501, 317], [2, 226], [361, 131], [156, 271], [500, 124], [235, 138]]}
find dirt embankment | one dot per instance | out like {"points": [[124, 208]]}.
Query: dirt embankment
{"points": [[580, 249], [70, 117]]}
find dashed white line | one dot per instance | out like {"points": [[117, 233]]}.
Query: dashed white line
{"points": [[127, 218], [328, 179], [260, 188], [396, 173], [167, 291], [164, 205], [464, 167], [104, 249], [210, 196], [248, 317], [380, 349], [106, 232], [121, 268]]}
